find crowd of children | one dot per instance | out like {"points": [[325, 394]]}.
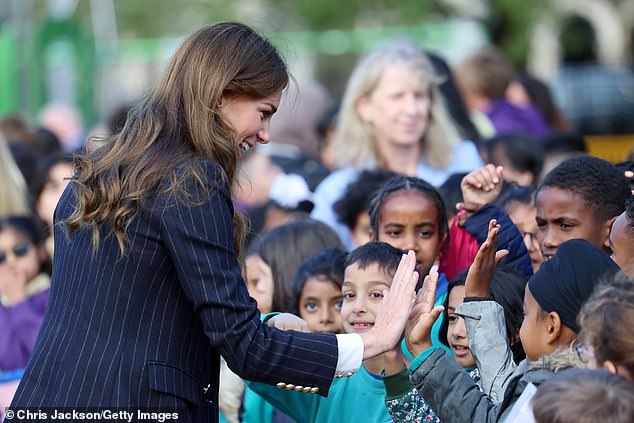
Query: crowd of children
{"points": [[524, 246]]}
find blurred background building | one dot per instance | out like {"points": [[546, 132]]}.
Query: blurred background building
{"points": [[97, 55]]}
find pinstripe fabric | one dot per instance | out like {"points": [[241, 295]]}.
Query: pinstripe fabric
{"points": [[147, 330]]}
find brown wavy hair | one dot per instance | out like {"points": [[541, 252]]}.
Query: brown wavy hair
{"points": [[177, 124]]}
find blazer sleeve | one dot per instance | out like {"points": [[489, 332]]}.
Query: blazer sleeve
{"points": [[199, 238], [301, 407]]}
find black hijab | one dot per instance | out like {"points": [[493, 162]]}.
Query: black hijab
{"points": [[566, 281]]}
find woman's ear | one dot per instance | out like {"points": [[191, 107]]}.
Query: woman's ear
{"points": [[364, 109]]}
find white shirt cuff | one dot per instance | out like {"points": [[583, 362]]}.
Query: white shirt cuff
{"points": [[350, 347]]}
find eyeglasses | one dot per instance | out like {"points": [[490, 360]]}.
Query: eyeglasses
{"points": [[19, 250]]}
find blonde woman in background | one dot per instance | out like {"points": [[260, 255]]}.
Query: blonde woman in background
{"points": [[13, 190], [393, 117]]}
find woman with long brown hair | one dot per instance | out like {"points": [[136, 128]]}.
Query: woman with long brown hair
{"points": [[147, 290]]}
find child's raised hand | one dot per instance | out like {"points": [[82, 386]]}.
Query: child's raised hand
{"points": [[395, 309], [478, 283], [482, 186], [423, 316]]}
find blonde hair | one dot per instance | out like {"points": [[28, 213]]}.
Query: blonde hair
{"points": [[167, 134], [354, 140], [13, 191]]}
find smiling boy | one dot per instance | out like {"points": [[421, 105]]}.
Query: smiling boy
{"points": [[369, 271]]}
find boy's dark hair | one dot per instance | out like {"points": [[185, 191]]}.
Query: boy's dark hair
{"points": [[507, 289], [356, 199], [584, 396], [525, 153], [601, 185], [327, 264], [382, 254], [408, 183]]}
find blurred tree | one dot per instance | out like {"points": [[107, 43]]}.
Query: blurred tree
{"points": [[509, 24]]}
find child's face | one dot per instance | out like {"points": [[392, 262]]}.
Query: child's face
{"points": [[409, 220], [621, 244], [53, 188], [456, 330], [563, 215], [260, 282], [533, 331], [320, 305], [22, 260], [523, 216], [362, 295]]}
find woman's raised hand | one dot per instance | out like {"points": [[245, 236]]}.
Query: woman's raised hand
{"points": [[395, 310]]}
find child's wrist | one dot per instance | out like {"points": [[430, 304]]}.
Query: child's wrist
{"points": [[416, 348]]}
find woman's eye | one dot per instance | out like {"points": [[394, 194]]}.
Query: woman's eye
{"points": [[348, 295], [376, 295], [452, 318], [338, 304], [425, 234]]}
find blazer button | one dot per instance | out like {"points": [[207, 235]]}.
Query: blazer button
{"points": [[281, 385], [290, 387], [314, 390]]}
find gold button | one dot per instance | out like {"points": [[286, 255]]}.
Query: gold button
{"points": [[314, 390], [281, 385], [307, 389], [290, 387], [299, 388]]}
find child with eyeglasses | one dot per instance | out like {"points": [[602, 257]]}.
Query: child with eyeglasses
{"points": [[23, 289]]}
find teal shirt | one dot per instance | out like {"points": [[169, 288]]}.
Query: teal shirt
{"points": [[358, 398]]}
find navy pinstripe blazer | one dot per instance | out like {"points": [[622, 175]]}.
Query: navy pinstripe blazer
{"points": [[147, 330]]}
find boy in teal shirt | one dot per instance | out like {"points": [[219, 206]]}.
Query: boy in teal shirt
{"points": [[360, 396]]}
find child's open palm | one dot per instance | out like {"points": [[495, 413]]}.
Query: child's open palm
{"points": [[478, 282], [423, 316]]}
